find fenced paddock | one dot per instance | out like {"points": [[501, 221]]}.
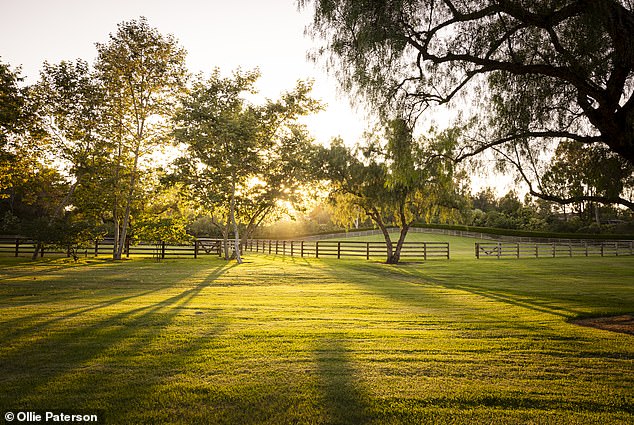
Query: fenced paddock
{"points": [[554, 249]]}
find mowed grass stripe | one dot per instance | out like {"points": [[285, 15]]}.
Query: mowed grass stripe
{"points": [[281, 340]]}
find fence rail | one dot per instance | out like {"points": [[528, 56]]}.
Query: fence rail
{"points": [[554, 249], [22, 247], [294, 248], [346, 249], [326, 248]]}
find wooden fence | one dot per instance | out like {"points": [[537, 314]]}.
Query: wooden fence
{"points": [[25, 247], [347, 249], [553, 249], [294, 248]]}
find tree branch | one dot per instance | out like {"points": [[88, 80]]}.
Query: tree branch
{"points": [[538, 134]]}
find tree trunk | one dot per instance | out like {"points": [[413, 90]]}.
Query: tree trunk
{"points": [[126, 215], [374, 215], [396, 256], [115, 242], [38, 248], [232, 217], [254, 223], [116, 253], [225, 239]]}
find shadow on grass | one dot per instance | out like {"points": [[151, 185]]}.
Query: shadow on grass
{"points": [[399, 276], [72, 367], [344, 400], [27, 323]]}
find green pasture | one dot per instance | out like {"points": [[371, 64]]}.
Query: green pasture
{"points": [[459, 247], [282, 340]]}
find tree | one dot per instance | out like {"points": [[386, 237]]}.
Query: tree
{"points": [[397, 181], [221, 134], [141, 71], [18, 122], [533, 74], [587, 174], [286, 157], [69, 108], [242, 158]]}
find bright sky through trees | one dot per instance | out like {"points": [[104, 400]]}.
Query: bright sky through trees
{"points": [[226, 34]]}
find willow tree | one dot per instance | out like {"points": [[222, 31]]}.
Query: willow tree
{"points": [[141, 71], [396, 180], [526, 75]]}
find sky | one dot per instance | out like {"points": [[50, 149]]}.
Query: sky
{"points": [[267, 34]]}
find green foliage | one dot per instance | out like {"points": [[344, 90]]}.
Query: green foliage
{"points": [[394, 180], [521, 76], [141, 71], [243, 159], [580, 173], [157, 229], [12, 104]]}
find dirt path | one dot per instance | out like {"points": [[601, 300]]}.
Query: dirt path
{"points": [[623, 323]]}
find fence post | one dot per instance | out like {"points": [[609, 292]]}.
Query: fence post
{"points": [[17, 247], [316, 249], [270, 243], [499, 250], [277, 246], [477, 249], [292, 248], [518, 250], [425, 251], [586, 245], [196, 248], [536, 250], [338, 250], [601, 248], [367, 251], [162, 250], [448, 250], [284, 248], [302, 250], [554, 250]]}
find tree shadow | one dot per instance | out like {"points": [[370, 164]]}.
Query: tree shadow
{"points": [[344, 400], [72, 364], [402, 276]]}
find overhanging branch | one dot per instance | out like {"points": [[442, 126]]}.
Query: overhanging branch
{"points": [[462, 155]]}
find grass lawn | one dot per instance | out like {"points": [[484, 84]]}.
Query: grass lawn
{"points": [[459, 247], [288, 340]]}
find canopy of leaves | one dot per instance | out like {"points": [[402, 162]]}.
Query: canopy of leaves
{"points": [[255, 155], [540, 70], [394, 179]]}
